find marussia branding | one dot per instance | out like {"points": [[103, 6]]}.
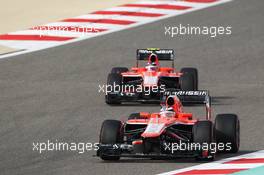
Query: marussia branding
{"points": [[187, 93]]}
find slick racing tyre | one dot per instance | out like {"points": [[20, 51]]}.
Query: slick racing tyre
{"points": [[110, 134], [114, 81], [134, 116], [187, 82], [227, 131], [194, 73], [203, 134], [119, 70]]}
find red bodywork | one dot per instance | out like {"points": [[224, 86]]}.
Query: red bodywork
{"points": [[151, 77], [158, 122]]}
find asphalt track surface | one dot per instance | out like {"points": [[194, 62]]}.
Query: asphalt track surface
{"points": [[53, 94]]}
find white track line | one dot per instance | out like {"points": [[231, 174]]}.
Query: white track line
{"points": [[21, 45], [145, 10], [220, 164], [116, 17]]}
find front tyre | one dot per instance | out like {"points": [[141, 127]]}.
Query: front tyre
{"points": [[203, 134], [110, 134], [227, 131], [114, 81], [187, 82], [194, 73]]}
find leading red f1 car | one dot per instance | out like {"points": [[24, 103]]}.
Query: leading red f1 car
{"points": [[145, 84], [170, 133]]}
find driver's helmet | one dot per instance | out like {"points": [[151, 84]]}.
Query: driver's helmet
{"points": [[152, 63]]}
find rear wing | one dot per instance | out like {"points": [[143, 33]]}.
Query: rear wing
{"points": [[191, 97], [163, 54]]}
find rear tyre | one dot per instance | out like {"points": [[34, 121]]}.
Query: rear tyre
{"points": [[119, 70], [203, 134], [187, 83], [110, 134], [194, 73], [227, 131], [134, 116], [114, 81]]}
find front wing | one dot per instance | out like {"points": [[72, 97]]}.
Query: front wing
{"points": [[126, 150]]}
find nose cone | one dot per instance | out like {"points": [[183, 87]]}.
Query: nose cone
{"points": [[154, 129]]}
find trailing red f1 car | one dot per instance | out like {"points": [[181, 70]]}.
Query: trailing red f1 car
{"points": [[145, 84], [170, 133]]}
